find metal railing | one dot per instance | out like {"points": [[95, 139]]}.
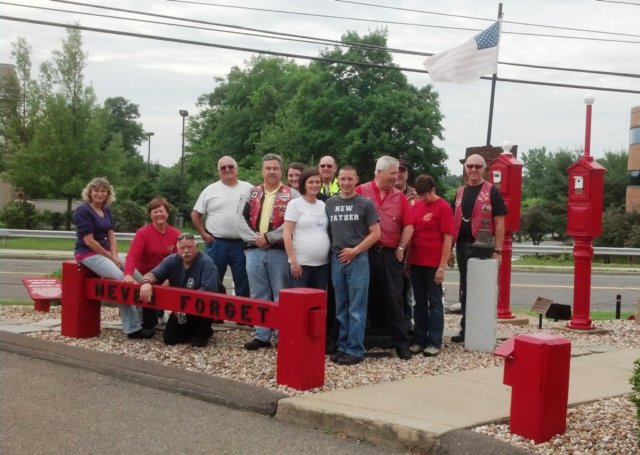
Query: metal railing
{"points": [[519, 249]]}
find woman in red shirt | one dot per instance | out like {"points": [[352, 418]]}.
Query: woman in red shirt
{"points": [[151, 244], [428, 255]]}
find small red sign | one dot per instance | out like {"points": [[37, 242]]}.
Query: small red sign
{"points": [[40, 288]]}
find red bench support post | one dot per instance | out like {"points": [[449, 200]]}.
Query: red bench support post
{"points": [[80, 315], [301, 339]]}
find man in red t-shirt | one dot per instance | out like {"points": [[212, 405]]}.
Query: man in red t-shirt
{"points": [[387, 256]]}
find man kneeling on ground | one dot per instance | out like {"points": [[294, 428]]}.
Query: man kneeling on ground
{"points": [[190, 269]]}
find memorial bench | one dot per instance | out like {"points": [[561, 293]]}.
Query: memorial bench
{"points": [[299, 316]]}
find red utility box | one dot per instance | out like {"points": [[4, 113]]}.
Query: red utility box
{"points": [[537, 369], [505, 172], [585, 201]]}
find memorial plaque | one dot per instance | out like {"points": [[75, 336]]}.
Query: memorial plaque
{"points": [[541, 305], [43, 288]]}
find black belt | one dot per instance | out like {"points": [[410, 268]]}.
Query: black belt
{"points": [[378, 248], [225, 239]]}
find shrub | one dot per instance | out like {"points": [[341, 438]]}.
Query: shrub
{"points": [[635, 395], [19, 215], [128, 216]]}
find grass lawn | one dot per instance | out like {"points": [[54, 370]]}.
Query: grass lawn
{"points": [[27, 243], [567, 261]]}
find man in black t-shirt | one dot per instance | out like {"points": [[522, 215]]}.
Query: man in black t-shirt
{"points": [[478, 206]]}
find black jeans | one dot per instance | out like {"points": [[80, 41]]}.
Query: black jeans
{"points": [[385, 294], [196, 328]]}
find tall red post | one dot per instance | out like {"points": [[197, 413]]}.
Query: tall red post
{"points": [[505, 172], [584, 223], [80, 315]]}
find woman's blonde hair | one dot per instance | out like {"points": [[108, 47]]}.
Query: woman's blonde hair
{"points": [[96, 183]]}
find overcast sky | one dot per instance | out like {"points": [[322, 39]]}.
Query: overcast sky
{"points": [[164, 77]]}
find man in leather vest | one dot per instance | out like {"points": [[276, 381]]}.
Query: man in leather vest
{"points": [[479, 210], [262, 227]]}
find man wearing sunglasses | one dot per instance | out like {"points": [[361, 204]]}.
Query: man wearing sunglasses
{"points": [[190, 269], [328, 168], [221, 202], [478, 206]]}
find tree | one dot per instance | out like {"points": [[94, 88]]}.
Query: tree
{"points": [[352, 111], [121, 118], [535, 223], [68, 144], [358, 113], [615, 180]]}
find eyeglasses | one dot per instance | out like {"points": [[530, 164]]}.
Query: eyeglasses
{"points": [[474, 166], [186, 236], [228, 167], [326, 165]]}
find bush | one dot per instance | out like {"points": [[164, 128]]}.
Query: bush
{"points": [[635, 395], [128, 216], [19, 215]]}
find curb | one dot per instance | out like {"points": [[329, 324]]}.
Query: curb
{"points": [[220, 391]]}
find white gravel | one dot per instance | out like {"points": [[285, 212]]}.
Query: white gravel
{"points": [[603, 427]]}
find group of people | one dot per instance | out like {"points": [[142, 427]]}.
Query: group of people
{"points": [[368, 244]]}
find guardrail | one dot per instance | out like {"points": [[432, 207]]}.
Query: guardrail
{"points": [[518, 248]]}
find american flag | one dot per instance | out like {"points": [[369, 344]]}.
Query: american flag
{"points": [[470, 60]]}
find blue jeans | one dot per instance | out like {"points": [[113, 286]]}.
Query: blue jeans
{"points": [[429, 309], [313, 276], [230, 252], [268, 272], [351, 284], [130, 315]]}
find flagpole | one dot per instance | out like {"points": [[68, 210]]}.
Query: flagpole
{"points": [[493, 89]]}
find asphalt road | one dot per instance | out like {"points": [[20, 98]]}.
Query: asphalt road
{"points": [[525, 286], [48, 408]]}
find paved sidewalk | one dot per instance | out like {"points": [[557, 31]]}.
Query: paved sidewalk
{"points": [[414, 412], [418, 411]]}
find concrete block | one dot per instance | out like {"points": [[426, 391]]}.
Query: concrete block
{"points": [[482, 304]]}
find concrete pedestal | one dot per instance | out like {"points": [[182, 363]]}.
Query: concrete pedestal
{"points": [[482, 302]]}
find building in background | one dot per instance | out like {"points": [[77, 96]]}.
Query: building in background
{"points": [[633, 162]]}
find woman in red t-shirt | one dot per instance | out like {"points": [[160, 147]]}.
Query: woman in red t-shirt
{"points": [[151, 244], [428, 255]]}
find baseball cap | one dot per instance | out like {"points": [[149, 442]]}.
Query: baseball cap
{"points": [[402, 164]]}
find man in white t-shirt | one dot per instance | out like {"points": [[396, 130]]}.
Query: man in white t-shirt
{"points": [[221, 202]]}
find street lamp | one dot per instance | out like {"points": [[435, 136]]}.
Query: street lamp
{"points": [[184, 114], [149, 134]]}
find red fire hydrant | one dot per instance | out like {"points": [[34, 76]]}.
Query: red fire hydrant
{"points": [[537, 369]]}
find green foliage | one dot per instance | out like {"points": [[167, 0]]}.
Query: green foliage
{"points": [[128, 216], [19, 215], [354, 112], [635, 394], [58, 137], [615, 180], [534, 223]]}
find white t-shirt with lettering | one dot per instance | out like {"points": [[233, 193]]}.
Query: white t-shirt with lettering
{"points": [[310, 236]]}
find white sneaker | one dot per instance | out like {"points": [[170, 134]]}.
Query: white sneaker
{"points": [[431, 351], [416, 349]]}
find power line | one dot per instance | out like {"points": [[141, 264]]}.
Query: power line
{"points": [[625, 3], [344, 44], [528, 24], [290, 55], [386, 21], [309, 39]]}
